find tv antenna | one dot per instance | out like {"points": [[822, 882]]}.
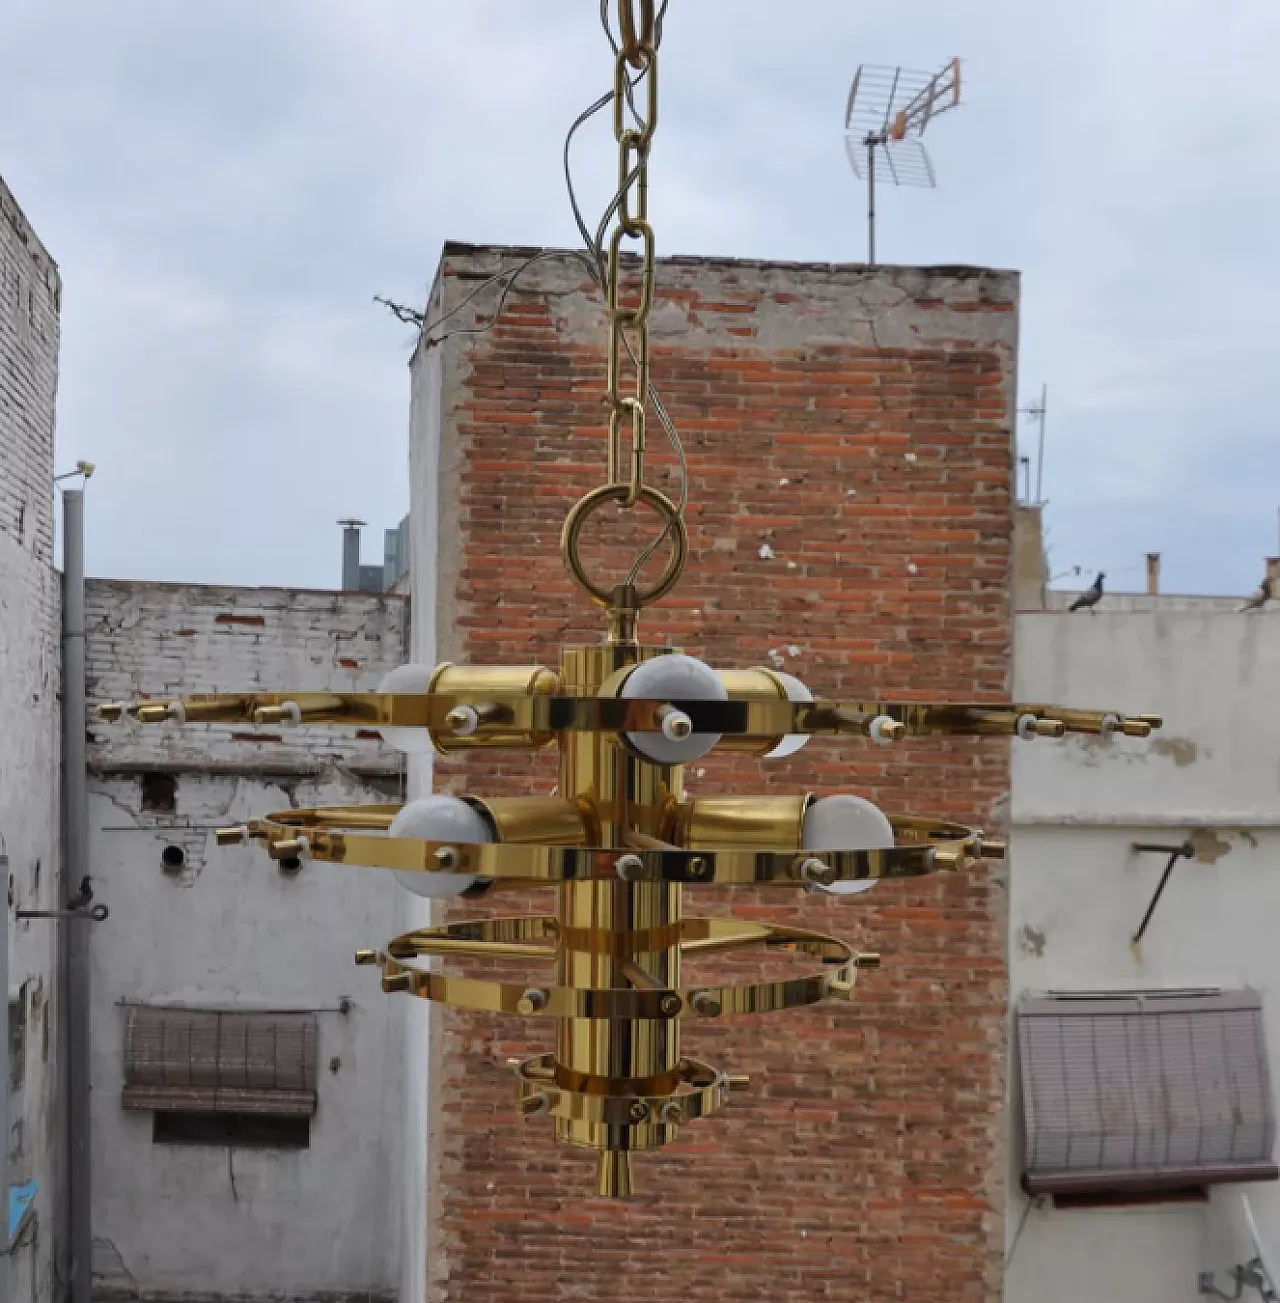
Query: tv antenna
{"points": [[1038, 412], [888, 110]]}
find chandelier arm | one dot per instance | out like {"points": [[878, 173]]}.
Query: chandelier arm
{"points": [[505, 715]]}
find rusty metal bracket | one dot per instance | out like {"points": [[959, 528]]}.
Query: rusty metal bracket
{"points": [[1185, 851]]}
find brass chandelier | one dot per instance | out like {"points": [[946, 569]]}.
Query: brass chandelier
{"points": [[619, 839]]}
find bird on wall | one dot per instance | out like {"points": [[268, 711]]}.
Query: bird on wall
{"points": [[1090, 597], [1262, 595]]}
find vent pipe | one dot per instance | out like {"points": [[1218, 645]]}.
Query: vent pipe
{"points": [[1153, 573], [1273, 573], [351, 555]]}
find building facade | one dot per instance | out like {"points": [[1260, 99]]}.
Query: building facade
{"points": [[267, 1165], [848, 432], [1164, 1108], [30, 606]]}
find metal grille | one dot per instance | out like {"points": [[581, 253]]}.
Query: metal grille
{"points": [[206, 1061], [1144, 1091]]}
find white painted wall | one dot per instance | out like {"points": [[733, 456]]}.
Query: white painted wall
{"points": [[231, 931], [30, 719], [1078, 893]]}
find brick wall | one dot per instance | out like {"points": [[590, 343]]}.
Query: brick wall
{"points": [[849, 441], [165, 640], [30, 300], [29, 714]]}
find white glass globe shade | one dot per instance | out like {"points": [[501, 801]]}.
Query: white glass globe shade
{"points": [[793, 742], [408, 680], [440, 818], [674, 678], [846, 823]]}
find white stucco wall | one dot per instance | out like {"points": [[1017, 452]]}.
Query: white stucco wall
{"points": [[231, 931], [30, 721], [1078, 892]]}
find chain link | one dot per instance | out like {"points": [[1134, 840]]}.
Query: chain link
{"points": [[636, 35], [635, 119], [629, 320]]}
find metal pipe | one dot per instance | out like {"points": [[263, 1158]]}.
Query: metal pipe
{"points": [[871, 201], [76, 937], [1044, 417], [351, 555], [1153, 574], [6, 1263]]}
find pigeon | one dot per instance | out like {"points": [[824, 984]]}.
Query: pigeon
{"points": [[1265, 592], [1091, 597]]}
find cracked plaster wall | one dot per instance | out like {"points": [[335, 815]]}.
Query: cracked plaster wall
{"points": [[30, 614], [1211, 776], [230, 930]]}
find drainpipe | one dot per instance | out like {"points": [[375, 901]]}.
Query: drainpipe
{"points": [[7, 1260], [76, 935]]}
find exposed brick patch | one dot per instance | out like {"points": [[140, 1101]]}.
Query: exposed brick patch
{"points": [[850, 462], [174, 639]]}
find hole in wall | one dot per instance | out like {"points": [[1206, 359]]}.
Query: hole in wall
{"points": [[173, 858], [159, 791], [290, 864]]}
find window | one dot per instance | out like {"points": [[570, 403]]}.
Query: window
{"points": [[238, 1130], [1144, 1091], [206, 1062]]}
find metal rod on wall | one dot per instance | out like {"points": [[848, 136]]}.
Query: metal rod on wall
{"points": [[871, 203], [76, 939]]}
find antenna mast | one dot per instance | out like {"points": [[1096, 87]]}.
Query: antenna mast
{"points": [[888, 110], [1038, 413]]}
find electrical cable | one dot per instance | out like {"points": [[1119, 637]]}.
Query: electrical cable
{"points": [[1017, 1235], [594, 260]]}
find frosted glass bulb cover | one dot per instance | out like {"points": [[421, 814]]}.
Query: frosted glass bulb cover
{"points": [[793, 742], [846, 823], [673, 678], [440, 818], [408, 680]]}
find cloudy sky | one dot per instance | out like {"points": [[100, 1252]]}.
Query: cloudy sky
{"points": [[227, 183]]}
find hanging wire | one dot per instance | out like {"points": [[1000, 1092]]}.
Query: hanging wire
{"points": [[592, 258]]}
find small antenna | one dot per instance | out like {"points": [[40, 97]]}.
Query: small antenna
{"points": [[1038, 412], [888, 110]]}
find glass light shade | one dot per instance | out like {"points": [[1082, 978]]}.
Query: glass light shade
{"points": [[410, 680], [440, 818], [793, 742], [843, 823], [674, 678]]}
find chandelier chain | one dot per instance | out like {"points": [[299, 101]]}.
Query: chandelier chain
{"points": [[629, 314]]}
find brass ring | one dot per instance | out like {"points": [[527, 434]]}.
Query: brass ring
{"points": [[675, 530], [707, 1089], [954, 849], [501, 939]]}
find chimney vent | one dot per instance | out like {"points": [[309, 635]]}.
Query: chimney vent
{"points": [[1153, 573], [351, 555]]}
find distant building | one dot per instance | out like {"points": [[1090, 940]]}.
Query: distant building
{"points": [[1143, 1095], [30, 720]]}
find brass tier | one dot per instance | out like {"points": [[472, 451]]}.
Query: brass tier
{"points": [[356, 835], [533, 718], [643, 999]]}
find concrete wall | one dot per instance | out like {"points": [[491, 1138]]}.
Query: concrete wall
{"points": [[229, 930], [1078, 893], [29, 719]]}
